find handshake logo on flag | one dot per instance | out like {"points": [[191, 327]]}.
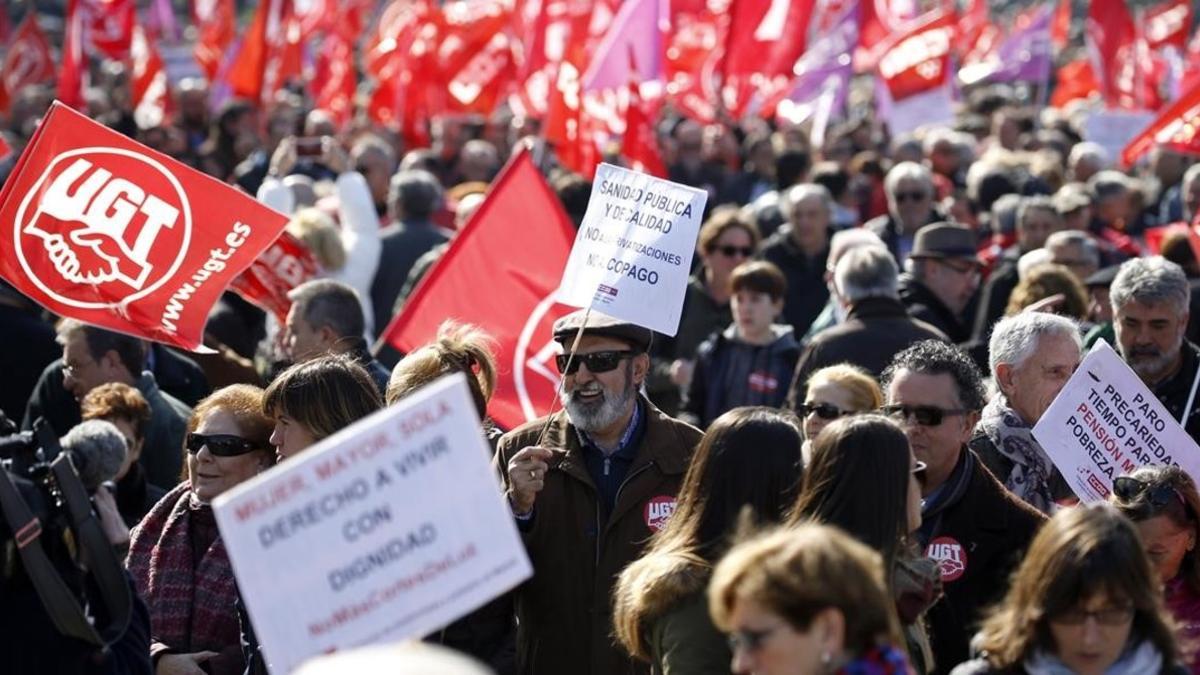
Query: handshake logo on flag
{"points": [[104, 217]]}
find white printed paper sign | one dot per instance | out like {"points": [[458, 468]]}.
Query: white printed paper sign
{"points": [[1113, 129], [1105, 423], [633, 253], [390, 529]]}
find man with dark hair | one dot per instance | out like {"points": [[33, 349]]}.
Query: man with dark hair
{"points": [[414, 197], [589, 486], [971, 526], [93, 356], [326, 318]]}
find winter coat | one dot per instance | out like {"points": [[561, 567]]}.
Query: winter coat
{"points": [[564, 612], [806, 290], [923, 305], [1174, 392], [701, 317], [730, 373]]}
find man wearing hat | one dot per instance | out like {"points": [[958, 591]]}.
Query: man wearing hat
{"points": [[942, 276], [589, 485]]}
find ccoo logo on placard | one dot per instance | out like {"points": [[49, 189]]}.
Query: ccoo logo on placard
{"points": [[113, 224]]}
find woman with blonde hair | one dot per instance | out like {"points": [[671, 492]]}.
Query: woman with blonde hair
{"points": [[833, 392], [747, 466], [1045, 281], [807, 600], [458, 348], [1085, 601]]}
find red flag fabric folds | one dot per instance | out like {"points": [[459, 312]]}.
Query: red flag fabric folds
{"points": [[765, 39], [108, 231], [522, 214], [919, 60], [1176, 128], [27, 61], [1168, 25], [214, 20]]}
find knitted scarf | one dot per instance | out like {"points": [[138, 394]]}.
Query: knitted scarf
{"points": [[191, 601], [1140, 659], [885, 660], [1013, 438]]}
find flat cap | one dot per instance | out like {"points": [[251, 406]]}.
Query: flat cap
{"points": [[1103, 278], [604, 325]]}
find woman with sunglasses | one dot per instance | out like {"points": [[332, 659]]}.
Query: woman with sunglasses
{"points": [[863, 478], [176, 556], [1162, 501], [808, 600], [835, 391], [1085, 601], [314, 399], [746, 466]]}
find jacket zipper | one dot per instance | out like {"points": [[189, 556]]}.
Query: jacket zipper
{"points": [[615, 501]]}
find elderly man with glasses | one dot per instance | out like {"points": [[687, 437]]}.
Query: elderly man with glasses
{"points": [[911, 205], [971, 525], [588, 487], [942, 277]]}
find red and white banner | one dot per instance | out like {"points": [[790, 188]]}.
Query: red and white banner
{"points": [[215, 26], [766, 37], [109, 26], [919, 61], [151, 94], [27, 61], [285, 264], [107, 231], [1176, 128], [1168, 25], [519, 308]]}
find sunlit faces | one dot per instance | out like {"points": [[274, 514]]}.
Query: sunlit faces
{"points": [[210, 475], [1149, 337], [1166, 544], [766, 644], [1032, 385], [597, 401], [754, 312], [1091, 637], [940, 445], [825, 394], [290, 437]]}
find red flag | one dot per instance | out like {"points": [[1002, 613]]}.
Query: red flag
{"points": [[479, 85], [5, 148], [105, 230], [214, 20], [1168, 24], [1112, 37], [971, 25], [270, 52], [881, 20], [695, 48], [109, 26], [285, 264], [639, 144], [919, 60], [1060, 28], [1075, 80], [765, 39], [151, 96], [519, 308], [1176, 128], [73, 73], [334, 78], [27, 61]]}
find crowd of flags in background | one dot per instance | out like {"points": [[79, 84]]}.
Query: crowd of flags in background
{"points": [[595, 70]]}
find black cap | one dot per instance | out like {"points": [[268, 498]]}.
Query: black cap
{"points": [[604, 325], [1103, 278]]}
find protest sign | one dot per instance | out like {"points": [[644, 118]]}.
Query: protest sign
{"points": [[387, 530], [1105, 423], [1113, 129], [633, 253], [107, 231]]}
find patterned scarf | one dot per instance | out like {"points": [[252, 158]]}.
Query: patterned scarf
{"points": [[1013, 438], [1137, 660], [191, 601], [885, 660]]}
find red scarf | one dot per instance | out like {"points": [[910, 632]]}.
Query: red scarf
{"points": [[191, 601]]}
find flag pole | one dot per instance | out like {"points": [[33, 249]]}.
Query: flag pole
{"points": [[562, 381]]}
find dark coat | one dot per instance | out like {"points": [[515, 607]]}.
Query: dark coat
{"points": [[701, 317], [923, 305], [27, 346], [176, 374], [564, 612], [1174, 391], [401, 245], [731, 373], [875, 330], [888, 229], [990, 529], [806, 290], [993, 297], [1001, 467]]}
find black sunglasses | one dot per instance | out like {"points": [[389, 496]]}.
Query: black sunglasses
{"points": [[730, 251], [925, 415], [221, 445], [597, 362], [1128, 489], [826, 411], [914, 196]]}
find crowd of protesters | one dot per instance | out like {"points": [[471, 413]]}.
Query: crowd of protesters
{"points": [[843, 422]]}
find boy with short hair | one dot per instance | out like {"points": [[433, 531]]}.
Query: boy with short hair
{"points": [[751, 362]]}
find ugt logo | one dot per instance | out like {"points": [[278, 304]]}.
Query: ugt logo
{"points": [[113, 224]]}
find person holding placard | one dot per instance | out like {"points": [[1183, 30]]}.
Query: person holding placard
{"points": [[589, 486], [1150, 300]]}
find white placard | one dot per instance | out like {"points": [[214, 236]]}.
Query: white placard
{"points": [[633, 253], [1105, 423], [387, 530], [1113, 129]]}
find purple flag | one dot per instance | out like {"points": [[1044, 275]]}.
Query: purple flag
{"points": [[1025, 55], [823, 72], [637, 31]]}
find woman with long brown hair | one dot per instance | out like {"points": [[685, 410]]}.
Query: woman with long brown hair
{"points": [[748, 462]]}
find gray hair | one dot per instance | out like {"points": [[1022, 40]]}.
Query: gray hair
{"points": [[326, 302], [414, 193], [1087, 246], [1016, 338], [906, 171], [1109, 183], [799, 193], [1150, 281], [844, 241], [866, 272], [97, 449], [1088, 151]]}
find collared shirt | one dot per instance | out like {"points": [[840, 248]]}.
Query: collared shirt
{"points": [[608, 470]]}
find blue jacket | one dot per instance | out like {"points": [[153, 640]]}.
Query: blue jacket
{"points": [[730, 373]]}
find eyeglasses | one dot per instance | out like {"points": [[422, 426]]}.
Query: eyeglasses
{"points": [[967, 268], [925, 415], [69, 369], [825, 411], [221, 445], [1128, 489], [919, 472], [914, 196], [750, 640], [731, 251], [1113, 616], [597, 362]]}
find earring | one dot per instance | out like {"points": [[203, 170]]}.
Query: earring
{"points": [[826, 658]]}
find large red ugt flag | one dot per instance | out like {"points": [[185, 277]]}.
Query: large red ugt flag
{"points": [[102, 229], [501, 273]]}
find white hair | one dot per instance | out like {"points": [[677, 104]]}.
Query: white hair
{"points": [[798, 193], [844, 241], [1150, 281], [1087, 246], [1038, 256], [1088, 151], [1016, 338], [906, 171], [866, 272]]}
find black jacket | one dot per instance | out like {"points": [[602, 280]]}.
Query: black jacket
{"points": [[888, 229], [731, 373], [1175, 390], [402, 244], [875, 330], [806, 290], [922, 304], [701, 317], [986, 529], [26, 347], [993, 297]]}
